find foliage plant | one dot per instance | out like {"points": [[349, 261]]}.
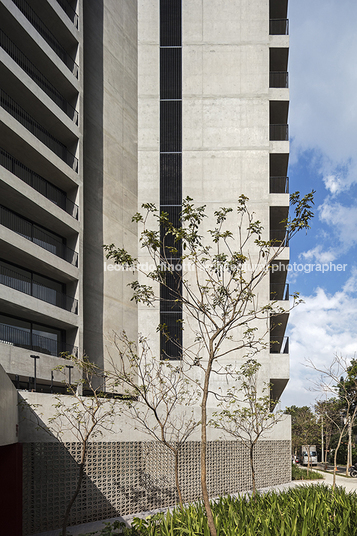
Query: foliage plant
{"points": [[313, 510], [227, 256]]}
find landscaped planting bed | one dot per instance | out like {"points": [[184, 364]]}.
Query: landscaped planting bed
{"points": [[314, 510]]}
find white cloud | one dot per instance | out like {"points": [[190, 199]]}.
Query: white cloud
{"points": [[342, 224], [322, 326], [323, 80]]}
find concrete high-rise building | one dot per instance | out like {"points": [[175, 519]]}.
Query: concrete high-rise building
{"points": [[107, 104]]}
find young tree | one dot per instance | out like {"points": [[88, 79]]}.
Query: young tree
{"points": [[85, 417], [249, 417], [158, 396], [340, 379], [218, 292], [304, 428]]}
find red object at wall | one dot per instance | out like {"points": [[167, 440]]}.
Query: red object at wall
{"points": [[11, 489]]}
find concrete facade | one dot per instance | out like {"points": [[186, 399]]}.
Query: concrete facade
{"points": [[8, 411], [79, 153], [41, 188], [235, 101]]}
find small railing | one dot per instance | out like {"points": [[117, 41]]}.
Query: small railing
{"points": [[279, 345], [279, 27], [279, 79], [32, 71], [279, 185], [25, 338], [37, 235], [38, 183], [47, 35], [279, 132], [279, 237], [37, 130], [70, 12], [279, 291], [10, 277]]}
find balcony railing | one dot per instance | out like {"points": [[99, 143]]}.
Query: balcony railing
{"points": [[279, 132], [10, 277], [279, 291], [38, 183], [32, 71], [279, 26], [279, 237], [279, 79], [47, 35], [37, 130], [25, 338], [279, 345], [70, 12], [37, 235], [279, 185]]}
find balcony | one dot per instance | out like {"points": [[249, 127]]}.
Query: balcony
{"points": [[11, 107], [279, 238], [279, 133], [39, 287], [70, 12], [46, 86], [38, 235], [279, 345], [279, 292], [30, 339], [46, 34], [279, 185], [38, 183], [279, 79], [279, 27]]}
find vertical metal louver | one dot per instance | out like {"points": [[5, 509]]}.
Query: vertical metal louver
{"points": [[171, 171]]}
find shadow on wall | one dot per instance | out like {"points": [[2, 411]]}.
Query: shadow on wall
{"points": [[120, 478], [93, 141]]}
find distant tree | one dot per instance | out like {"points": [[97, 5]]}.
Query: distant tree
{"points": [[304, 428], [339, 378], [247, 411], [330, 412]]}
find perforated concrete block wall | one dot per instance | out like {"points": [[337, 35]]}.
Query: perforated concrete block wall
{"points": [[124, 478]]}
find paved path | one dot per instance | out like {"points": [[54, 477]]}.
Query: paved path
{"points": [[349, 483]]}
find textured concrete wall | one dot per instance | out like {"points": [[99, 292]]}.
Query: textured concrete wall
{"points": [[8, 410], [110, 167]]}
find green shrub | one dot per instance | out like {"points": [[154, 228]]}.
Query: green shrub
{"points": [[299, 473], [313, 510]]}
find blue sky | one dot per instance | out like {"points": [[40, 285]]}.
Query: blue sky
{"points": [[323, 134]]}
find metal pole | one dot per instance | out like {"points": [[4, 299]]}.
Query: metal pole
{"points": [[51, 388], [322, 439], [34, 357]]}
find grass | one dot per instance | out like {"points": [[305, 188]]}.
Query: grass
{"points": [[298, 473], [313, 510]]}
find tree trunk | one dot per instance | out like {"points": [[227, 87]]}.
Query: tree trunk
{"points": [[252, 469], [349, 446], [79, 484], [205, 496], [177, 479]]}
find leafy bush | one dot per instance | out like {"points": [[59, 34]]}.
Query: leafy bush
{"points": [[313, 510], [298, 473]]}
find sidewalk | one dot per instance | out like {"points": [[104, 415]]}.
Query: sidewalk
{"points": [[348, 483]]}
